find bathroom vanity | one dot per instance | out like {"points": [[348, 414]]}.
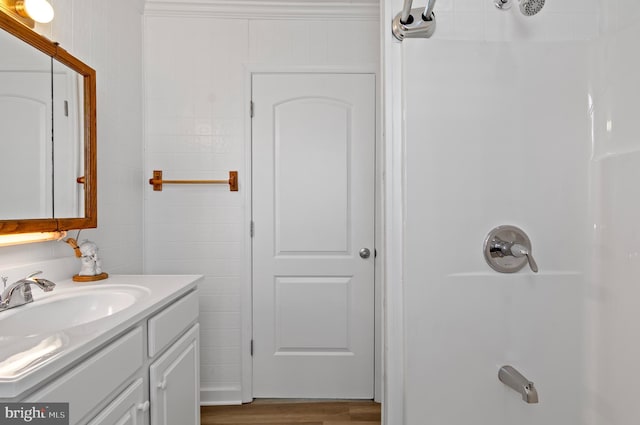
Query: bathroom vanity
{"points": [[120, 352]]}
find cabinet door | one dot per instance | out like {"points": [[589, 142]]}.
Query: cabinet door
{"points": [[174, 381], [129, 408]]}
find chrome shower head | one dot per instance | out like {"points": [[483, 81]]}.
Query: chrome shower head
{"points": [[531, 7], [527, 7]]}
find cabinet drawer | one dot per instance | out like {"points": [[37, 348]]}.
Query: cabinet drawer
{"points": [[170, 323], [90, 383]]}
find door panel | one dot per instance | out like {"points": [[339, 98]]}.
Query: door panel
{"points": [[313, 150], [311, 138], [319, 329], [25, 106]]}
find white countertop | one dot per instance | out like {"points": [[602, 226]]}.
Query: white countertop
{"points": [[79, 341]]}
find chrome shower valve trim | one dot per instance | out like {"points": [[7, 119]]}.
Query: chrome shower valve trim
{"points": [[507, 249]]}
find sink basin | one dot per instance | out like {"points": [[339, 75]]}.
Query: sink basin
{"points": [[68, 309]]}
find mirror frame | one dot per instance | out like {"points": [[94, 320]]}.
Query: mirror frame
{"points": [[52, 49]]}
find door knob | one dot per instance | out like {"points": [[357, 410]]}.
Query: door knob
{"points": [[365, 253]]}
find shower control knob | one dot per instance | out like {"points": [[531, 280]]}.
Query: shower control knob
{"points": [[507, 249], [518, 251], [365, 253]]}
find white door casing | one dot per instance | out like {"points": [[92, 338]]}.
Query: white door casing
{"points": [[313, 191]]}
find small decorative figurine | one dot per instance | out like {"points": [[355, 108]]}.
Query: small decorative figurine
{"points": [[91, 268]]}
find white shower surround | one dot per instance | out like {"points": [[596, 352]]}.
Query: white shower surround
{"points": [[525, 121]]}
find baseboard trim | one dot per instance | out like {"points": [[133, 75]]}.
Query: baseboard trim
{"points": [[220, 396]]}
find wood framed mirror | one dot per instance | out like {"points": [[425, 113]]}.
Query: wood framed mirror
{"points": [[48, 143]]}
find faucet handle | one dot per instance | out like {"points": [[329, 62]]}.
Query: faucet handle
{"points": [[4, 281], [518, 250], [31, 275]]}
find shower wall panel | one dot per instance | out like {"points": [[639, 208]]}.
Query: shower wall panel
{"points": [[614, 295], [497, 132]]}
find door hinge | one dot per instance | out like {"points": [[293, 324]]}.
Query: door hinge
{"points": [[66, 108], [251, 108], [251, 348], [252, 228]]}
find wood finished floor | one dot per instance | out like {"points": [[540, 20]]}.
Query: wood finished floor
{"points": [[293, 412]]}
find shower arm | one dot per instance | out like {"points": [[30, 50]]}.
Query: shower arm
{"points": [[428, 11], [405, 25], [406, 11]]}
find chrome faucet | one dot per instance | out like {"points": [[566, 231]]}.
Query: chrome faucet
{"points": [[19, 293], [509, 376]]}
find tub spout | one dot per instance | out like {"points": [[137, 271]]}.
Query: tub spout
{"points": [[513, 379]]}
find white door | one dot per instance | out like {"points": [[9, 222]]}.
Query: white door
{"points": [[313, 142], [25, 118]]}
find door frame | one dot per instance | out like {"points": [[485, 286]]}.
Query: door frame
{"points": [[246, 298]]}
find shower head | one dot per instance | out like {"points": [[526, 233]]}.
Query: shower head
{"points": [[527, 7], [531, 7]]}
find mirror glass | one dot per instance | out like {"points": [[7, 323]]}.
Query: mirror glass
{"points": [[68, 137], [48, 138], [26, 148]]}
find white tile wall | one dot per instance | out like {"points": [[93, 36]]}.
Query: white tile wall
{"points": [[195, 129], [107, 36]]}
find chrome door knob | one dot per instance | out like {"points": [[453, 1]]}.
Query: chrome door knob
{"points": [[365, 253]]}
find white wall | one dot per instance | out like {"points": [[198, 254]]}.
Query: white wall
{"points": [[614, 294], [196, 67], [107, 36], [496, 131]]}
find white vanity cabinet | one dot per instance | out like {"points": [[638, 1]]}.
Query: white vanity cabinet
{"points": [[129, 408], [173, 383], [147, 374], [174, 388], [96, 379]]}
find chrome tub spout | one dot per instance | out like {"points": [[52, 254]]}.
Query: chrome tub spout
{"points": [[513, 379]]}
